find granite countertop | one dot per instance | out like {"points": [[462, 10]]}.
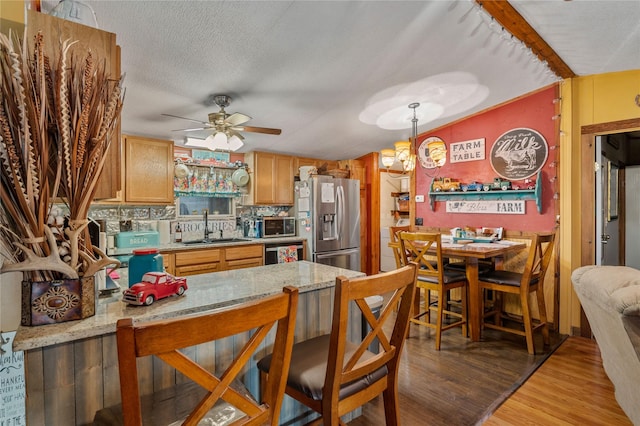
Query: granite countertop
{"points": [[182, 246], [206, 291]]}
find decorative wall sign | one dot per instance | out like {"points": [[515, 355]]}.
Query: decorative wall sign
{"points": [[487, 206], [471, 150], [519, 153], [423, 153], [12, 383]]}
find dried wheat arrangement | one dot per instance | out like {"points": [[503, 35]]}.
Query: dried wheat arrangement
{"points": [[57, 116]]}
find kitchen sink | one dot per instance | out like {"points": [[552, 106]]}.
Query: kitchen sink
{"points": [[214, 241]]}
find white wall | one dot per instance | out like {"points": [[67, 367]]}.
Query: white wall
{"points": [[632, 216]]}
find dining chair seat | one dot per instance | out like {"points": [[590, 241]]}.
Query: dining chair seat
{"points": [[308, 368], [505, 278], [483, 266], [448, 277]]}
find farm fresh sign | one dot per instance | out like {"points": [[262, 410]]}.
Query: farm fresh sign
{"points": [[467, 151], [519, 154], [487, 206]]}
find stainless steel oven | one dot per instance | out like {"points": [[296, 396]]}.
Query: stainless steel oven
{"points": [[274, 252]]}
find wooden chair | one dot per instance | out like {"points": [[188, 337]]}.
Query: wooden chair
{"points": [[166, 338], [432, 276], [394, 243], [333, 375], [522, 284]]}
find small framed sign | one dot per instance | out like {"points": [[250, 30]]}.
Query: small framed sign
{"points": [[487, 206], [471, 150]]}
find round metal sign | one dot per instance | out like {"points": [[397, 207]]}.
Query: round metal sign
{"points": [[519, 153], [423, 153]]}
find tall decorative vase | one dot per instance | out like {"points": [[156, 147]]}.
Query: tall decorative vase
{"points": [[50, 302]]}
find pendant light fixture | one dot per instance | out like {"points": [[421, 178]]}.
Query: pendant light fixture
{"points": [[404, 151]]}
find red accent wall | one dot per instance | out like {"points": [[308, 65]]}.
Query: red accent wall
{"points": [[535, 111]]}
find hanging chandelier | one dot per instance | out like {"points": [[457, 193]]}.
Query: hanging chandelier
{"points": [[403, 151]]}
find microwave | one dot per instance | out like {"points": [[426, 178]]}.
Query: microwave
{"points": [[278, 227]]}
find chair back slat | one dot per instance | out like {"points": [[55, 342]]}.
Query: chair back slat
{"points": [[166, 338], [422, 248]]}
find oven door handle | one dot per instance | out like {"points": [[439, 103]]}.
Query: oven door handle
{"points": [[270, 249]]}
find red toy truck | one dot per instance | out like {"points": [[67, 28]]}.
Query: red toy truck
{"points": [[154, 286]]}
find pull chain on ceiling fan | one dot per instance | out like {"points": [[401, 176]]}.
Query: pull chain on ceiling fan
{"points": [[226, 128]]}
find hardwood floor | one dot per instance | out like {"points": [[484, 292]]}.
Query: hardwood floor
{"points": [[570, 388], [465, 383]]}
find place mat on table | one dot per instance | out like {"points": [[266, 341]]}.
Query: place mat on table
{"points": [[483, 245], [507, 242], [451, 245]]}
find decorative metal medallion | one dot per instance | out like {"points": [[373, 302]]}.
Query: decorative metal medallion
{"points": [[519, 153], [56, 302]]}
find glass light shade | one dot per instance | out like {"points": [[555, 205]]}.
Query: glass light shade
{"points": [[234, 143], [438, 153], [409, 164], [403, 150], [388, 157]]}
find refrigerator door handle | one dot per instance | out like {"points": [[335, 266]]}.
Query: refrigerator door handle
{"points": [[339, 210]]}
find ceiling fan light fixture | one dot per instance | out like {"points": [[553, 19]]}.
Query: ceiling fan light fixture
{"points": [[234, 143]]}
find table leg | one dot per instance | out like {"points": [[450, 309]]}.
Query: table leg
{"points": [[473, 315]]}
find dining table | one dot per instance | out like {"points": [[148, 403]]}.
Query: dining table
{"points": [[472, 253]]}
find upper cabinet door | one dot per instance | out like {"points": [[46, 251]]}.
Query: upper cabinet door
{"points": [[148, 170], [103, 45]]}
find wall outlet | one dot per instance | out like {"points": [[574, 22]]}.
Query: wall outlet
{"points": [[419, 198]]}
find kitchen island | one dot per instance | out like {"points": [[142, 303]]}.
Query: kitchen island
{"points": [[71, 368]]}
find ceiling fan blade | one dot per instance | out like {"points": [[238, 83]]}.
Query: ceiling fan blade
{"points": [[237, 118], [185, 118], [233, 132], [193, 129], [259, 130]]}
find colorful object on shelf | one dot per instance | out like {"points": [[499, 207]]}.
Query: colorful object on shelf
{"points": [[497, 183], [154, 286], [143, 261], [473, 186], [445, 184]]}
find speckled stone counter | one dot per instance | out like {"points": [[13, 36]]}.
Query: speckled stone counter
{"points": [[206, 291]]}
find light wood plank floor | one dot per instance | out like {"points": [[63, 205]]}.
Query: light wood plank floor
{"points": [[570, 388]]}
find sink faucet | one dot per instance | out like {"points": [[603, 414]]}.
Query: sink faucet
{"points": [[206, 225]]}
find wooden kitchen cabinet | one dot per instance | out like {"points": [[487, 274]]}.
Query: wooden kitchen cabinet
{"points": [[315, 162], [271, 180], [103, 45], [148, 170], [200, 261], [194, 262], [356, 169], [243, 256], [168, 260]]}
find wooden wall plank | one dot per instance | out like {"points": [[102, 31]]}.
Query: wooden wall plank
{"points": [[59, 386], [88, 378], [110, 373], [34, 378]]}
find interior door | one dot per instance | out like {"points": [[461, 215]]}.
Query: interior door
{"points": [[607, 205]]}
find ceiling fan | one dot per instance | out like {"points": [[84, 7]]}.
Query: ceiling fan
{"points": [[226, 128]]}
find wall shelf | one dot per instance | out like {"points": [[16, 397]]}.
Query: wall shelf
{"points": [[509, 194]]}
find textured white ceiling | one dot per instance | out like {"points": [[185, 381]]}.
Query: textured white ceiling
{"points": [[310, 67]]}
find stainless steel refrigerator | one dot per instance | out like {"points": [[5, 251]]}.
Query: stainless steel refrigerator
{"points": [[328, 214]]}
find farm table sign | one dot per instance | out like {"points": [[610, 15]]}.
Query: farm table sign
{"points": [[487, 206], [519, 153], [471, 150]]}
